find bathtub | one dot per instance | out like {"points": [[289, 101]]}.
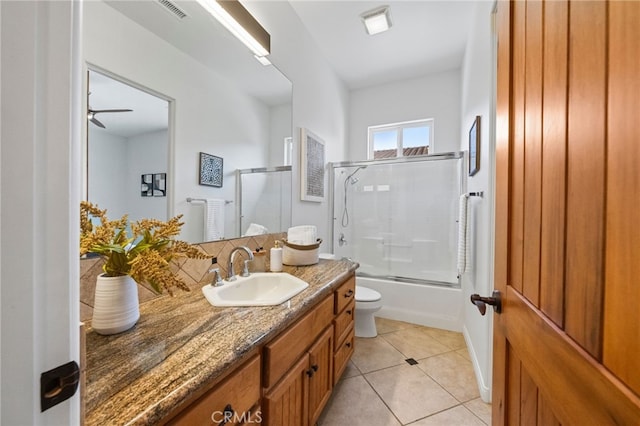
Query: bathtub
{"points": [[424, 304]]}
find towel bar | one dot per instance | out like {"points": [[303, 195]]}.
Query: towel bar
{"points": [[190, 200]]}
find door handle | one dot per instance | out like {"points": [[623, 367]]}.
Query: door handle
{"points": [[481, 302]]}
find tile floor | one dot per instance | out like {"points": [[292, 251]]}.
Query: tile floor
{"points": [[380, 388]]}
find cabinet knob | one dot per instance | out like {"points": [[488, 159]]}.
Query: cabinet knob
{"points": [[314, 367], [349, 312], [227, 414], [309, 373], [348, 344], [348, 294]]}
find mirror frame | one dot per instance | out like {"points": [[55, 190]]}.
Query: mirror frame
{"points": [[87, 66]]}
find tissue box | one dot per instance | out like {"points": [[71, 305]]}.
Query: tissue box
{"points": [[298, 255]]}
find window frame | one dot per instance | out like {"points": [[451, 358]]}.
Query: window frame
{"points": [[399, 127]]}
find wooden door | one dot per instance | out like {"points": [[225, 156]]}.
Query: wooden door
{"points": [[567, 344], [321, 379]]}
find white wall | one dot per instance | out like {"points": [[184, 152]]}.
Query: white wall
{"points": [[280, 129], [210, 114], [320, 101], [434, 96], [477, 89], [108, 172], [146, 154], [116, 166]]}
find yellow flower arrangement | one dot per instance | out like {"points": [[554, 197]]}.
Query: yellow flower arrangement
{"points": [[146, 256]]}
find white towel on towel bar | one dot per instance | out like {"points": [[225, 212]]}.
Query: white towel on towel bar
{"points": [[213, 219], [462, 234]]}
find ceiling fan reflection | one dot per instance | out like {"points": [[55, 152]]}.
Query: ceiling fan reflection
{"points": [[91, 115]]}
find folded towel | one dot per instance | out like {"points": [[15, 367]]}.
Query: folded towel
{"points": [[303, 235], [255, 229], [213, 219], [462, 234]]}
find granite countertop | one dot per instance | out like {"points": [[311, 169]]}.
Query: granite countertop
{"points": [[182, 343]]}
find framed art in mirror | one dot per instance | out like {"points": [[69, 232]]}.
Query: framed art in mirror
{"points": [[474, 147], [211, 169], [153, 185]]}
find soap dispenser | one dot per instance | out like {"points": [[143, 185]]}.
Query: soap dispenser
{"points": [[276, 258]]}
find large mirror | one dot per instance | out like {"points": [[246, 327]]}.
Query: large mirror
{"points": [[216, 97]]}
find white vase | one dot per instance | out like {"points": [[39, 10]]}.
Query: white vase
{"points": [[115, 307]]}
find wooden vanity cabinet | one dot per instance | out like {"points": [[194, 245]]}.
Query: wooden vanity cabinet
{"points": [[298, 369], [291, 381], [299, 397], [304, 362], [344, 308], [237, 398]]}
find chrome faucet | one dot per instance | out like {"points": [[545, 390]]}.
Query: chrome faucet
{"points": [[217, 280], [231, 275]]}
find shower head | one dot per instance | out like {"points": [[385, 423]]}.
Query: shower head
{"points": [[351, 179]]}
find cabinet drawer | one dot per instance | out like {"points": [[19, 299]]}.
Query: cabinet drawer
{"points": [[343, 321], [284, 350], [342, 355], [238, 392], [345, 294]]}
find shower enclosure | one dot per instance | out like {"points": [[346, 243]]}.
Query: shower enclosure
{"points": [[398, 217], [264, 198]]}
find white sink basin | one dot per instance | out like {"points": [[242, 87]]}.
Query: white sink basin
{"points": [[258, 289]]}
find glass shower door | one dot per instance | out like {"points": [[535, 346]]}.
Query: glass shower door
{"points": [[401, 218]]}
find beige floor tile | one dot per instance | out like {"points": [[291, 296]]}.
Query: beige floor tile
{"points": [[480, 409], [456, 416], [451, 339], [374, 354], [350, 371], [454, 373], [415, 343], [385, 325], [409, 393], [354, 403], [464, 353]]}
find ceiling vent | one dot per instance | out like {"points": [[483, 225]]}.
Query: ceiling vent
{"points": [[172, 9]]}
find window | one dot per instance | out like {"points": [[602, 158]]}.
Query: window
{"points": [[401, 139]]}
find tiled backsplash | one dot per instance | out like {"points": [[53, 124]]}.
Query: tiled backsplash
{"points": [[195, 272]]}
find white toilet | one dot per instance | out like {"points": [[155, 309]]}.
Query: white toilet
{"points": [[368, 302]]}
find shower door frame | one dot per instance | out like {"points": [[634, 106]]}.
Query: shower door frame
{"points": [[239, 173], [454, 155]]}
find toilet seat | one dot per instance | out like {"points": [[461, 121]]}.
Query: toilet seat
{"points": [[364, 294]]}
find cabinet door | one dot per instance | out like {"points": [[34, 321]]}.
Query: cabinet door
{"points": [[321, 378], [286, 403]]}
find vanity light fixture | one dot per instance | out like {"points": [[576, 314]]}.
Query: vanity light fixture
{"points": [[377, 20], [263, 60], [240, 23]]}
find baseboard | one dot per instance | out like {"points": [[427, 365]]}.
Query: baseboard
{"points": [[483, 387]]}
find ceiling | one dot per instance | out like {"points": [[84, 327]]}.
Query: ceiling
{"points": [[426, 37], [150, 113]]}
